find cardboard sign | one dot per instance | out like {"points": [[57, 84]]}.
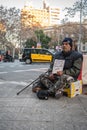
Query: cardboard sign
{"points": [[58, 66]]}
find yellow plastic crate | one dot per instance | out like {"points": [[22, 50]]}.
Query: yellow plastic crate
{"points": [[74, 89]]}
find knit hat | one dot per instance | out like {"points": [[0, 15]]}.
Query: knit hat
{"points": [[68, 40]]}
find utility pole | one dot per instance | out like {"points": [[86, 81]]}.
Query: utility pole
{"points": [[80, 28]]}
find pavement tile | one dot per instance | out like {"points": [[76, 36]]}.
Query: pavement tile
{"points": [[6, 125], [27, 112]]}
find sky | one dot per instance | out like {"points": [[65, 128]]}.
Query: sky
{"points": [[38, 4]]}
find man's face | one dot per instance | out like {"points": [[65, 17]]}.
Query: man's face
{"points": [[66, 47]]}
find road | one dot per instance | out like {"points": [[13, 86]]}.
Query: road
{"points": [[20, 72]]}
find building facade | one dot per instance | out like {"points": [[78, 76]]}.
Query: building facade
{"points": [[47, 16]]}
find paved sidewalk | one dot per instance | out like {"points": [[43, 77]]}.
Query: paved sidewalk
{"points": [[27, 112]]}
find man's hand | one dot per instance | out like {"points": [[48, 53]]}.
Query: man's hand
{"points": [[59, 73], [51, 77]]}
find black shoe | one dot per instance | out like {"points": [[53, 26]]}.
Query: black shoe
{"points": [[43, 94]]}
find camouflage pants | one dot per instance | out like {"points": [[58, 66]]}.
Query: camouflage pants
{"points": [[59, 82]]}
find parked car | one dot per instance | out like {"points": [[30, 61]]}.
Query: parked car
{"points": [[2, 52], [36, 55], [8, 58]]}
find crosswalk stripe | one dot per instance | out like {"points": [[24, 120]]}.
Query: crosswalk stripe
{"points": [[41, 70], [14, 82], [3, 72]]}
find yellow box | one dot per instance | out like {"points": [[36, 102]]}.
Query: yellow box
{"points": [[74, 89]]}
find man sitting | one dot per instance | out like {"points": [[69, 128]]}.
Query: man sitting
{"points": [[54, 82]]}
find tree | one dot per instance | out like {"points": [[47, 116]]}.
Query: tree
{"points": [[81, 7], [12, 25], [2, 25], [78, 6], [11, 22], [42, 38], [30, 43]]}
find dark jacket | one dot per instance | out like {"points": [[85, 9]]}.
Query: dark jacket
{"points": [[73, 62]]}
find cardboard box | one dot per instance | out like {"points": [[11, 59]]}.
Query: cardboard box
{"points": [[74, 89]]}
